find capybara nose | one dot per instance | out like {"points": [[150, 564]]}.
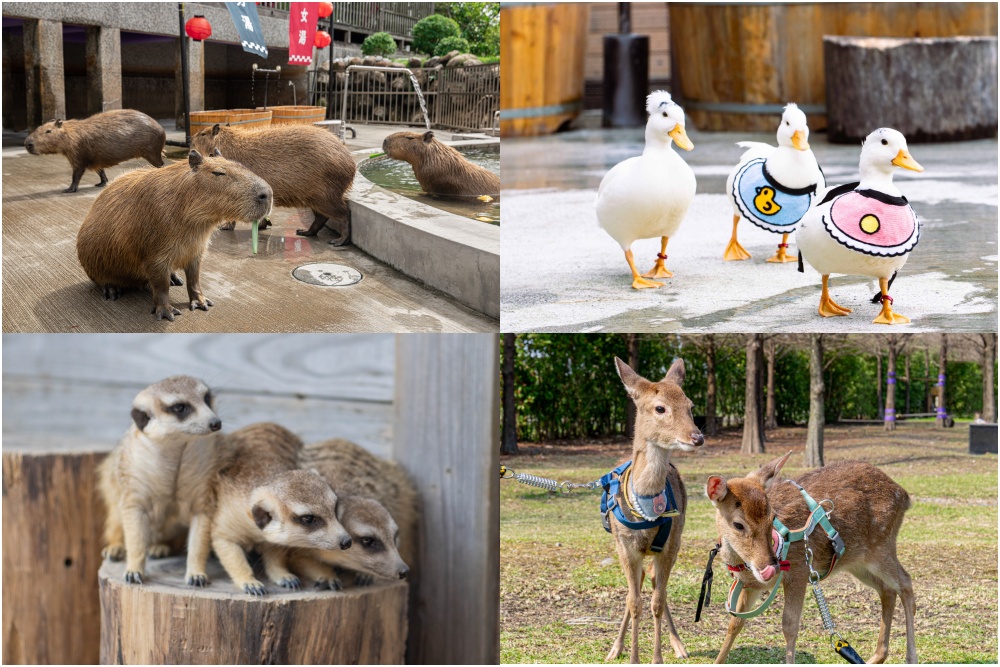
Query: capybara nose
{"points": [[346, 543], [384, 142], [30, 145], [697, 438], [215, 424], [767, 573], [263, 196], [403, 572]]}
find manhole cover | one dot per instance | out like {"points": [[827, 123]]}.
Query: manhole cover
{"points": [[327, 275]]}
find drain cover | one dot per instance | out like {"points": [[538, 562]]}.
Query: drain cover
{"points": [[327, 275]]}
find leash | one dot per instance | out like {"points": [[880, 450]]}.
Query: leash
{"points": [[706, 583], [544, 482]]}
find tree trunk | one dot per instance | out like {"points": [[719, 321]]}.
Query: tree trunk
{"points": [[753, 415], [909, 381], [817, 414], [942, 407], [508, 436], [771, 421], [711, 418], [928, 394], [890, 387], [165, 621], [989, 360], [879, 405], [632, 341]]}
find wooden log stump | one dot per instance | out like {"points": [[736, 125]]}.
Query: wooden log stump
{"points": [[164, 621], [940, 89], [52, 521]]}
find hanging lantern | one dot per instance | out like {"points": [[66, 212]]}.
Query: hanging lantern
{"points": [[325, 9], [322, 39], [198, 28]]}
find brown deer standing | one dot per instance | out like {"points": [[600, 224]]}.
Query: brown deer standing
{"points": [[868, 510], [663, 423]]}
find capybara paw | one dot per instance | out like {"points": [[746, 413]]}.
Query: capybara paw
{"points": [[197, 580], [361, 579], [201, 304], [340, 241], [165, 312], [228, 226], [175, 280], [69, 190], [115, 552], [112, 292], [158, 551], [101, 184], [254, 588], [290, 581], [305, 232], [133, 577]]}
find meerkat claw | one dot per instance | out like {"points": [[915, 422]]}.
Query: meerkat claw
{"points": [[115, 552], [158, 551], [133, 577], [290, 582], [362, 580], [198, 580], [255, 588]]}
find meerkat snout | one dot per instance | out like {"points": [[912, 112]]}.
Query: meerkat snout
{"points": [[403, 572], [346, 543]]}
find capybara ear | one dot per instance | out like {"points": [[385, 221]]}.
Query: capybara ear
{"points": [[215, 129], [217, 153], [428, 135], [59, 122], [195, 159]]}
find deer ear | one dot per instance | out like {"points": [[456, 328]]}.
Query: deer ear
{"points": [[715, 488], [633, 381], [676, 372], [768, 473]]}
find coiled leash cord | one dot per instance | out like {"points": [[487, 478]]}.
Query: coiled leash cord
{"points": [[545, 483], [837, 642]]}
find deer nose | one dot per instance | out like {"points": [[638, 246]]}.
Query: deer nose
{"points": [[697, 438]]}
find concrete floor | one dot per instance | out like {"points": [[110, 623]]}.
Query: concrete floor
{"points": [[561, 272], [46, 290]]}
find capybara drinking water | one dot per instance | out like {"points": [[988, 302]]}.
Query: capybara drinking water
{"points": [[440, 169], [101, 141], [149, 223], [305, 166]]}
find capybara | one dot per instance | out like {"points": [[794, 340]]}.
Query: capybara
{"points": [[305, 166], [101, 141], [149, 223], [440, 169]]}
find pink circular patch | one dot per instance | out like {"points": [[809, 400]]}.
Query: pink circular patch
{"points": [[872, 226]]}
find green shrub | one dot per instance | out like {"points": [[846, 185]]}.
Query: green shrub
{"points": [[430, 30], [379, 44], [449, 44]]}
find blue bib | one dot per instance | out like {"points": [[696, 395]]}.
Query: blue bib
{"points": [[765, 202]]}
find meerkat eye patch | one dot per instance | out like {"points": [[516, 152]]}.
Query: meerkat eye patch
{"points": [[372, 544], [140, 418], [310, 522], [182, 410]]}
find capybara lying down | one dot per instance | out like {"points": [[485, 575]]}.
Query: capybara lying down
{"points": [[440, 169], [101, 141], [305, 166], [149, 223]]}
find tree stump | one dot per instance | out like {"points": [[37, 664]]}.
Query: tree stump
{"points": [[164, 621], [52, 521], [939, 89]]}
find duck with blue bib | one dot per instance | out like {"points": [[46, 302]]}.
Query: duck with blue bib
{"points": [[773, 187]]}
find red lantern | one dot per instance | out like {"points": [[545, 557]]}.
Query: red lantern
{"points": [[322, 39], [198, 28], [325, 9]]}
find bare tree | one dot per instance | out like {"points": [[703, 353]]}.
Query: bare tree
{"points": [[712, 426], [771, 409], [989, 360], [879, 405], [942, 407], [753, 415], [817, 413], [894, 345], [508, 435], [632, 343]]}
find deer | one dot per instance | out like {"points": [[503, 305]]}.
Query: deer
{"points": [[663, 423], [865, 508]]}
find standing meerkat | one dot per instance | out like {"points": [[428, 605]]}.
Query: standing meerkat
{"points": [[163, 469], [266, 503]]}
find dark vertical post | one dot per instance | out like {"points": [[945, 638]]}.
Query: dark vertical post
{"points": [[508, 435], [942, 409], [184, 75], [626, 74]]}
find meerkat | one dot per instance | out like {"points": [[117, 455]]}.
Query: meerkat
{"points": [[264, 502], [356, 473], [160, 476]]}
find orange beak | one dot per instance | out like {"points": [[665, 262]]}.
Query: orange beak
{"points": [[799, 141], [906, 161], [680, 137]]}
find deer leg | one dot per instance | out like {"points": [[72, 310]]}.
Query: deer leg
{"points": [[909, 610], [748, 597], [888, 598], [662, 567], [619, 645], [795, 593]]}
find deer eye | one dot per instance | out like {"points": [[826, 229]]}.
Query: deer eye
{"points": [[737, 525], [660, 409]]}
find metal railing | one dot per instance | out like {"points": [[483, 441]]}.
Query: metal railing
{"points": [[395, 18], [461, 98]]}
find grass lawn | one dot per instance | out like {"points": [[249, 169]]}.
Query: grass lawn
{"points": [[562, 591]]}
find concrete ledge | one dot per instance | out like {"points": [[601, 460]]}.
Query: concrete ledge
{"points": [[459, 256]]}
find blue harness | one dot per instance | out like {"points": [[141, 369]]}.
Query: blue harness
{"points": [[767, 203], [656, 511]]}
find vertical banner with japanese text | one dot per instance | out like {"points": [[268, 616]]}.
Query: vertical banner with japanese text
{"points": [[302, 32], [248, 26]]}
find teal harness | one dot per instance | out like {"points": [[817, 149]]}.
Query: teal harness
{"points": [[818, 516]]}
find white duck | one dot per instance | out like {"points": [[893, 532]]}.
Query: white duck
{"points": [[774, 187], [865, 228], [648, 196]]}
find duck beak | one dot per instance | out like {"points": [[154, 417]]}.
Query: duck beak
{"points": [[799, 141], [905, 160], [680, 137]]}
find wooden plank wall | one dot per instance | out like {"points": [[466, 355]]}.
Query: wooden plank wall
{"points": [[773, 53], [79, 387], [648, 18]]}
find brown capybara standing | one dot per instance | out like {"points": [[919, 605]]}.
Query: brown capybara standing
{"points": [[100, 141], [305, 166], [149, 223], [440, 169]]}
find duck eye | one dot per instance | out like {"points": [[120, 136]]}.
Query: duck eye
{"points": [[885, 143], [664, 114], [737, 525], [787, 123], [660, 409]]}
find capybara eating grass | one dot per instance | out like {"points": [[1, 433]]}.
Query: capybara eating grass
{"points": [[149, 223], [101, 141], [305, 166], [440, 169]]}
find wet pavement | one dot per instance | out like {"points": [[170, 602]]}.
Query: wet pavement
{"points": [[561, 272], [46, 290]]}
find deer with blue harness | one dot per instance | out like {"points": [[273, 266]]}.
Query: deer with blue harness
{"points": [[644, 500]]}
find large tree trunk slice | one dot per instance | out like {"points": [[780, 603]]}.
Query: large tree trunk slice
{"points": [[164, 621]]}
